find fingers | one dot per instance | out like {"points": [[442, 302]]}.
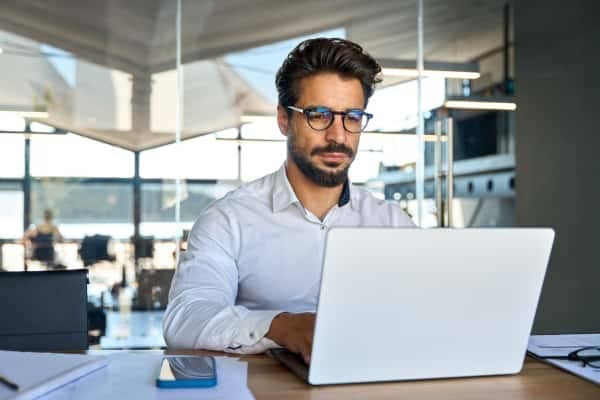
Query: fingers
{"points": [[306, 356], [295, 332], [309, 338], [307, 348]]}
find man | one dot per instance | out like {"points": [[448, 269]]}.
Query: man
{"points": [[249, 280]]}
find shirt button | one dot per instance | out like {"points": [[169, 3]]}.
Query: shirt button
{"points": [[322, 227], [251, 335]]}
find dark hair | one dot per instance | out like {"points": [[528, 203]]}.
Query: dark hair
{"points": [[313, 56], [48, 215]]}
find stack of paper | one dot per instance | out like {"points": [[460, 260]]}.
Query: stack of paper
{"points": [[128, 376], [41, 373], [547, 346]]}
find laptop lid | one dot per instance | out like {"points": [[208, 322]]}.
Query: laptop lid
{"points": [[402, 304]]}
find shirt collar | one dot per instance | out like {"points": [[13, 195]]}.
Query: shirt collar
{"points": [[345, 196], [283, 195]]}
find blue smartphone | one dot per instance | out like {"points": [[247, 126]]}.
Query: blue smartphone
{"points": [[187, 372]]}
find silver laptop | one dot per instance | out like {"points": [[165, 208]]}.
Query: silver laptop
{"points": [[405, 304]]}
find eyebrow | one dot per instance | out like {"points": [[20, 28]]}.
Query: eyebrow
{"points": [[321, 105]]}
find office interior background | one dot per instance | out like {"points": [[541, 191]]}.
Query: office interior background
{"points": [[127, 118]]}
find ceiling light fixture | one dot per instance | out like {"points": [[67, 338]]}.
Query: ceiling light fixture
{"points": [[36, 112], [480, 103], [428, 137], [392, 67], [242, 140], [250, 118]]}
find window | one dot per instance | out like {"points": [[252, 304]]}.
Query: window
{"points": [[204, 157], [158, 205], [85, 207], [394, 108], [12, 155], [76, 156], [11, 211], [261, 158], [10, 122], [259, 65]]}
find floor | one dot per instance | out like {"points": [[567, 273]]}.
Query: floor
{"points": [[133, 330], [127, 328]]}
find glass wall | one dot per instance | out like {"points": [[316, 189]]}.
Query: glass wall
{"points": [[479, 189], [119, 94], [102, 127]]}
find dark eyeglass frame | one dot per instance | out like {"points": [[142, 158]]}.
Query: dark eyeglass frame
{"points": [[306, 111], [588, 361]]}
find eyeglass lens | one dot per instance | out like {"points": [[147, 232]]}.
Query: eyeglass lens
{"points": [[590, 356], [322, 118]]}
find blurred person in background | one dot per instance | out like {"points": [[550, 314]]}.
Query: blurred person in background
{"points": [[39, 240]]}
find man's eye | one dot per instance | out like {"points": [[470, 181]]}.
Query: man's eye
{"points": [[354, 116], [316, 115]]}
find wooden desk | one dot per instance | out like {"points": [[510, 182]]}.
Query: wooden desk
{"points": [[270, 380]]}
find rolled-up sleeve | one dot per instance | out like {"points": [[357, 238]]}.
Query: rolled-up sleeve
{"points": [[201, 313]]}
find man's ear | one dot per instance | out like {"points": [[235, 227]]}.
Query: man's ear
{"points": [[282, 120]]}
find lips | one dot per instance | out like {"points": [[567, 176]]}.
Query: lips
{"points": [[333, 157]]}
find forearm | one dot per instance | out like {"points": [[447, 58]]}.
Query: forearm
{"points": [[202, 313], [212, 326]]}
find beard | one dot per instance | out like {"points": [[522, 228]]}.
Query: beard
{"points": [[318, 175]]}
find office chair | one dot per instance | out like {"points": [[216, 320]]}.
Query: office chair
{"points": [[143, 253], [153, 284], [94, 249], [153, 289], [44, 310], [143, 246]]}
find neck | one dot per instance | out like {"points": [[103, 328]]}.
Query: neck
{"points": [[316, 199]]}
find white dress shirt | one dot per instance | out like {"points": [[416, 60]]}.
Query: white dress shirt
{"points": [[253, 254]]}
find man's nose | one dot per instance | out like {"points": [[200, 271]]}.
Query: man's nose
{"points": [[336, 132]]}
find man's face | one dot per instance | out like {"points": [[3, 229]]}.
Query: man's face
{"points": [[323, 156]]}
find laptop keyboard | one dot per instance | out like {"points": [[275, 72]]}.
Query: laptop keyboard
{"points": [[291, 360]]}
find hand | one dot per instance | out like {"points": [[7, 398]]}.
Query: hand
{"points": [[294, 332]]}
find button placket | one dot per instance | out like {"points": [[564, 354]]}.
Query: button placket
{"points": [[328, 217]]}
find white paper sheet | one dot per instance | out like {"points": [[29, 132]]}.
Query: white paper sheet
{"points": [[40, 373], [561, 345], [132, 376]]}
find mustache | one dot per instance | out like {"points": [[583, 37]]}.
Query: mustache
{"points": [[333, 148]]}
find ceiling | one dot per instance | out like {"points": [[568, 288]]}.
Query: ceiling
{"points": [[125, 55]]}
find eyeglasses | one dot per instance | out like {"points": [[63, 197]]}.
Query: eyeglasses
{"points": [[589, 356], [321, 118]]}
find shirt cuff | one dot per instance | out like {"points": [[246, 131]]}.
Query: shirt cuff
{"points": [[251, 335]]}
